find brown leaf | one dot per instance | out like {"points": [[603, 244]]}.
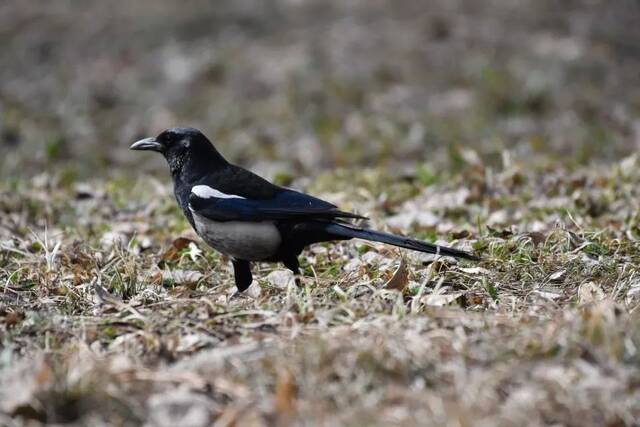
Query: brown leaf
{"points": [[156, 278], [13, 317], [504, 233], [462, 234], [173, 253], [284, 394], [400, 278], [471, 299], [43, 375], [537, 237]]}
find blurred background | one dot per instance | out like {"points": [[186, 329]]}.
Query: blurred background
{"points": [[304, 85]]}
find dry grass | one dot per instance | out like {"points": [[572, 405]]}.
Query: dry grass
{"points": [[106, 319], [113, 313]]}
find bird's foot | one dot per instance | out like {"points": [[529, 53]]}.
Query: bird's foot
{"points": [[236, 295], [251, 292]]}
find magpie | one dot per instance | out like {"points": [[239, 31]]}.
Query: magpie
{"points": [[247, 218]]}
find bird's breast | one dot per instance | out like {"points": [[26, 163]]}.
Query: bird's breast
{"points": [[251, 241]]}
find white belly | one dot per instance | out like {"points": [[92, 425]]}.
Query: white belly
{"points": [[250, 241]]}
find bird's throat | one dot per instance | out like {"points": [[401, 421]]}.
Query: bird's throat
{"points": [[176, 165]]}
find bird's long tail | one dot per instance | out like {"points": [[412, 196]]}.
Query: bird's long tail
{"points": [[349, 231]]}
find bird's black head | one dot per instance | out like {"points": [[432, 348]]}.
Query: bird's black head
{"points": [[187, 151]]}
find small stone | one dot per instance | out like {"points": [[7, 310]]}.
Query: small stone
{"points": [[280, 279]]}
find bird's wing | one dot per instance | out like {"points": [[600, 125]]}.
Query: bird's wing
{"points": [[285, 205]]}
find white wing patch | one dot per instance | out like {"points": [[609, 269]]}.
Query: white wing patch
{"points": [[206, 192]]}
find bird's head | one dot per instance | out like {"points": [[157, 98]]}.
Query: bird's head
{"points": [[186, 150]]}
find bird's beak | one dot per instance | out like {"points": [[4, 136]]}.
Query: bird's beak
{"points": [[147, 144]]}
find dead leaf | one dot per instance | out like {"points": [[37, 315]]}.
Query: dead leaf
{"points": [[470, 156], [12, 318], [590, 292], [474, 270], [504, 233], [156, 278], [575, 240], [537, 237], [103, 297], [182, 277], [400, 278], [284, 394], [462, 234], [113, 238], [192, 342], [548, 295], [440, 300], [43, 375], [474, 299], [558, 276], [173, 253], [180, 407]]}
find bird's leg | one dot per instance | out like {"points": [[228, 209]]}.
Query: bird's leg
{"points": [[293, 264], [242, 274]]}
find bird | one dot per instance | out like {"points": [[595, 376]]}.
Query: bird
{"points": [[249, 219]]}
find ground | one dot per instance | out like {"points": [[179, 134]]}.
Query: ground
{"points": [[113, 317], [508, 131]]}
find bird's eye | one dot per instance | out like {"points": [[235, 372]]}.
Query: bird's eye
{"points": [[164, 138], [186, 143]]}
